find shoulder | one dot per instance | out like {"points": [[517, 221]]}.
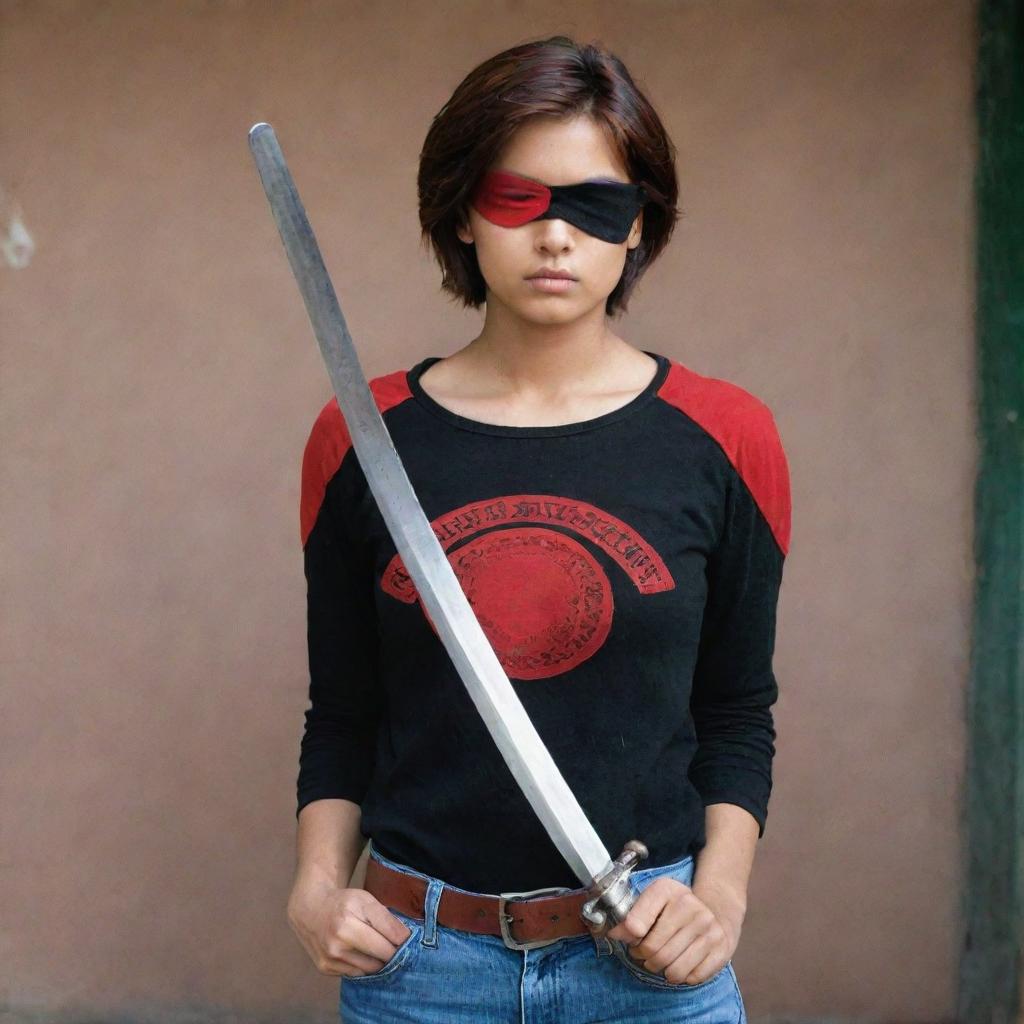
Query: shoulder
{"points": [[744, 427], [329, 441]]}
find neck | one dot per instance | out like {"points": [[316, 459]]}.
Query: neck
{"points": [[531, 359]]}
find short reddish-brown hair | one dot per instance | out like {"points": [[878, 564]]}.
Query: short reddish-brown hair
{"points": [[553, 77]]}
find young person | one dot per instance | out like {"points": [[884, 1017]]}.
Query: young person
{"points": [[619, 523]]}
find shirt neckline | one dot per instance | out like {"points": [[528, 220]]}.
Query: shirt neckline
{"points": [[480, 427]]}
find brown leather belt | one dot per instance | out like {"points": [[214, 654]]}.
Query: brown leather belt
{"points": [[522, 920]]}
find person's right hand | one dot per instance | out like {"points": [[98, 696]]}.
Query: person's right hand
{"points": [[344, 931]]}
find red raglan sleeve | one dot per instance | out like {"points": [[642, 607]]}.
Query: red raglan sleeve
{"points": [[734, 684]]}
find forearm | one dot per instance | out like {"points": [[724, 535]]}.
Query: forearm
{"points": [[328, 841], [726, 860]]}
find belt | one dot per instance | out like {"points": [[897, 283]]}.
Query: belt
{"points": [[523, 920]]}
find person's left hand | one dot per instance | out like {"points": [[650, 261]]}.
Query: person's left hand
{"points": [[687, 934]]}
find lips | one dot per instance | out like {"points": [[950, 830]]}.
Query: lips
{"points": [[558, 275]]}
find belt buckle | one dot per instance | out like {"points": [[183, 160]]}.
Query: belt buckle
{"points": [[505, 920]]}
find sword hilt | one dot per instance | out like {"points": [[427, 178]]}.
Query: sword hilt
{"points": [[611, 894]]}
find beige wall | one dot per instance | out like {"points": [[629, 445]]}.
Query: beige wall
{"points": [[159, 377]]}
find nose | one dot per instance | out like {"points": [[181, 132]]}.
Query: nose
{"points": [[554, 235]]}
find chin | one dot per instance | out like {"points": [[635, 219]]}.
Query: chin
{"points": [[540, 309], [550, 312]]}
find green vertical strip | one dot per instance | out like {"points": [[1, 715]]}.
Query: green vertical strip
{"points": [[990, 972]]}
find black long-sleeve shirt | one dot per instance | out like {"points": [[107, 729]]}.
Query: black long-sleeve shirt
{"points": [[626, 570]]}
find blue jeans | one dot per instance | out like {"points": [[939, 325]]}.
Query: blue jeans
{"points": [[441, 975]]}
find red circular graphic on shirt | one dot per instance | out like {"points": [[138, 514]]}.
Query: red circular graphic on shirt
{"points": [[544, 602]]}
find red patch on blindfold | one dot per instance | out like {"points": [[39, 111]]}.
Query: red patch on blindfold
{"points": [[508, 200]]}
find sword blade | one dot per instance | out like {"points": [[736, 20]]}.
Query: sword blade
{"points": [[439, 589]]}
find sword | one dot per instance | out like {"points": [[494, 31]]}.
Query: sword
{"points": [[439, 589]]}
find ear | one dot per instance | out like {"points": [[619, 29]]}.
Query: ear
{"points": [[636, 231], [464, 231]]}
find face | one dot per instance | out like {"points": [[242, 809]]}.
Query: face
{"points": [[564, 152]]}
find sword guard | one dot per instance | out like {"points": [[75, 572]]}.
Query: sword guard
{"points": [[611, 895]]}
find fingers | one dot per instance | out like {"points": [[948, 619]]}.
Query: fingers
{"points": [[386, 923], [706, 968], [363, 936], [353, 964], [649, 906], [664, 944], [677, 959], [644, 912], [672, 932]]}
